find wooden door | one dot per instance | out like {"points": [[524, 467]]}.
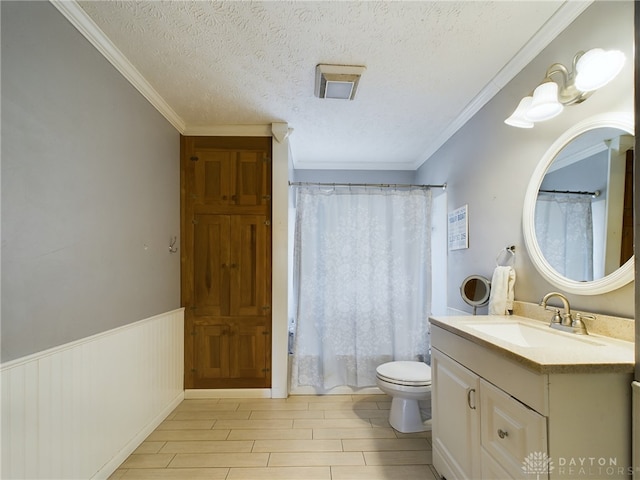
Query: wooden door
{"points": [[231, 271], [231, 177], [226, 261], [235, 354]]}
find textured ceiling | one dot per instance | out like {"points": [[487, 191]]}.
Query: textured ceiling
{"points": [[246, 63]]}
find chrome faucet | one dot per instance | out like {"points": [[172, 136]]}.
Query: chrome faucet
{"points": [[566, 322]]}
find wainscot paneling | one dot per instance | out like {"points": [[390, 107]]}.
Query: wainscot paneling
{"points": [[77, 411]]}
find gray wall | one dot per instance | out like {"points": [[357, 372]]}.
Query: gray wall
{"points": [[90, 189], [487, 164], [353, 176]]}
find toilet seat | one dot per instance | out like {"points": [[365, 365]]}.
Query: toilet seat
{"points": [[406, 373]]}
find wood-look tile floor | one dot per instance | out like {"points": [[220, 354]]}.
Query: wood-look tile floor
{"points": [[302, 437]]}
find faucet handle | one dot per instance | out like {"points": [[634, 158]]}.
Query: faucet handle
{"points": [[579, 325], [580, 316], [557, 318]]}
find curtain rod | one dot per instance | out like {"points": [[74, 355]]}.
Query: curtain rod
{"points": [[377, 185], [572, 192]]}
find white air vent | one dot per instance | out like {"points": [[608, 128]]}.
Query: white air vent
{"points": [[337, 81]]}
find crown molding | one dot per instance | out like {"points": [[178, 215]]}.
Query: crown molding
{"points": [[88, 28], [566, 14], [72, 11], [230, 131]]}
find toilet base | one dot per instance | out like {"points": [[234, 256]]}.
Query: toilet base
{"points": [[405, 416]]}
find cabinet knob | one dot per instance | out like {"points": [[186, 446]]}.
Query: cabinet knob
{"points": [[502, 433]]}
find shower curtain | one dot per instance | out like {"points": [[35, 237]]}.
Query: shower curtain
{"points": [[564, 230], [361, 277]]}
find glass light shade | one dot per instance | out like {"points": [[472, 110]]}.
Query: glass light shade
{"points": [[545, 104], [598, 67], [518, 118]]}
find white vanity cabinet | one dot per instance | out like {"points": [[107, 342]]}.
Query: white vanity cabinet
{"points": [[479, 431], [455, 418], [495, 418]]}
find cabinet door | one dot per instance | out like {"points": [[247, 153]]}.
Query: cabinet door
{"points": [[232, 177], [456, 420], [233, 259], [252, 178], [250, 264], [211, 268], [513, 434]]}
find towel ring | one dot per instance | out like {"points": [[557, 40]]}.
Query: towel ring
{"points": [[506, 257]]}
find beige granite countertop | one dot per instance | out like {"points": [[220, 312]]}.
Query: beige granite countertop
{"points": [[595, 353]]}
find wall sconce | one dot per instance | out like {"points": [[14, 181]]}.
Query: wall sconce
{"points": [[561, 87]]}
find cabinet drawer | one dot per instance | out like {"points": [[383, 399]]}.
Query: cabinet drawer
{"points": [[492, 469], [511, 432]]}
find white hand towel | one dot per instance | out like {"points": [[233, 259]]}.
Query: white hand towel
{"points": [[501, 295]]}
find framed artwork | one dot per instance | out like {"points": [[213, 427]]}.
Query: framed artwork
{"points": [[458, 229]]}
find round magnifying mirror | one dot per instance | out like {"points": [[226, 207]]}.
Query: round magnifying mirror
{"points": [[475, 291]]}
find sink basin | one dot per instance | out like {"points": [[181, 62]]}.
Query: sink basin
{"points": [[525, 335]]}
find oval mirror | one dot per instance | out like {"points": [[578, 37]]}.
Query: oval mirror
{"points": [[578, 208], [475, 291]]}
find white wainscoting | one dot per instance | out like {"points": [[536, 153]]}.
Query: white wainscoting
{"points": [[77, 411]]}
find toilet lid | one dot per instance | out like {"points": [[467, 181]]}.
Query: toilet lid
{"points": [[405, 373]]}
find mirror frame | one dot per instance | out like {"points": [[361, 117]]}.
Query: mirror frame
{"points": [[624, 274], [476, 303]]}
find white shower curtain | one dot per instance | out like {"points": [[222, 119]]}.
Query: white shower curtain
{"points": [[362, 274], [564, 230]]}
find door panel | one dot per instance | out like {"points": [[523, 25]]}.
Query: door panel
{"points": [[211, 270], [213, 173], [249, 264], [252, 178], [248, 346], [212, 352]]}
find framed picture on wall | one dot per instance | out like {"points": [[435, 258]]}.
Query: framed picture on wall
{"points": [[458, 229]]}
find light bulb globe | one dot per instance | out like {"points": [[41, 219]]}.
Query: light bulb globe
{"points": [[598, 67]]}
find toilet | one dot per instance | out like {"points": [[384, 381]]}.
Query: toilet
{"points": [[407, 383]]}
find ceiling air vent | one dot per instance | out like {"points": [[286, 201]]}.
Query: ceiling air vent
{"points": [[337, 81]]}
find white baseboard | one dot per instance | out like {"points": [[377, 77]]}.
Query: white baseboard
{"points": [[111, 466], [342, 390], [228, 393]]}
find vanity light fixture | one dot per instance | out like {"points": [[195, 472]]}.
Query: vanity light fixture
{"points": [[561, 87], [337, 81]]}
